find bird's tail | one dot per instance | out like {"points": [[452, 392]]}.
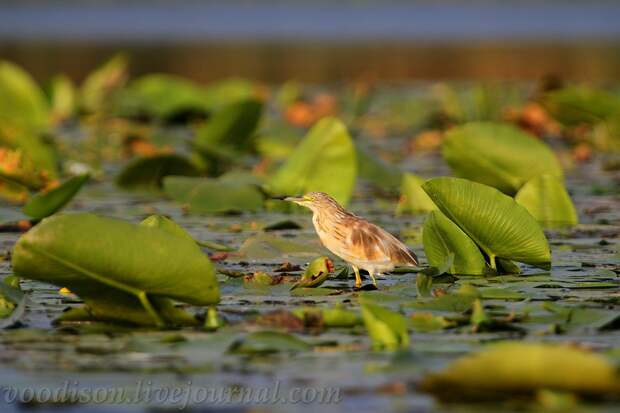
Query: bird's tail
{"points": [[405, 256]]}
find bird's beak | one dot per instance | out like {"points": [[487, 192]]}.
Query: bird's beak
{"points": [[296, 199]]}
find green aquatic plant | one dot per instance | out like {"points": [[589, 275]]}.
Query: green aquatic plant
{"points": [[148, 172], [498, 155], [317, 272], [44, 204], [325, 160], [442, 237], [494, 221], [413, 199], [214, 195], [122, 271], [545, 197]]}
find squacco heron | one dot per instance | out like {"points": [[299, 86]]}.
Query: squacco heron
{"points": [[358, 242]]}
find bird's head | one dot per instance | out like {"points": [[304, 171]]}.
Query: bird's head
{"points": [[316, 201]]}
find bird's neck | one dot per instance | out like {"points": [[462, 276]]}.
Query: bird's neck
{"points": [[325, 219]]}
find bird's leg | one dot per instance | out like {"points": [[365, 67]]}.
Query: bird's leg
{"points": [[358, 279], [374, 281]]}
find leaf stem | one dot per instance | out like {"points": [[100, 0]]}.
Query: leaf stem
{"points": [[149, 309]]}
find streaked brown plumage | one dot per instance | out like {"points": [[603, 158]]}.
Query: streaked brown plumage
{"points": [[357, 241]]}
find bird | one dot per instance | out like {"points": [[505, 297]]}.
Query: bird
{"points": [[358, 242]]}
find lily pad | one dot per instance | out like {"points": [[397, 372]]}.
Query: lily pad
{"points": [[545, 197], [167, 224], [325, 161], [336, 317], [12, 305], [213, 195], [576, 105], [387, 329], [510, 368], [576, 317], [442, 237], [317, 272], [457, 303], [268, 246], [232, 126], [499, 226], [427, 322], [147, 173], [120, 266], [102, 83], [63, 98], [413, 199], [498, 155], [44, 204], [22, 101], [163, 97]]}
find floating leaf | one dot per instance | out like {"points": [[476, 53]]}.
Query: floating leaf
{"points": [[162, 96], [277, 142], [44, 204], [498, 155], [167, 224], [425, 278], [510, 368], [99, 85], [214, 195], [121, 266], [63, 98], [442, 237], [500, 226], [501, 294], [507, 266], [268, 246], [337, 317], [585, 318], [387, 329], [317, 272], [268, 342], [22, 102], [12, 304], [478, 316], [324, 161], [314, 292], [227, 91], [478, 101], [147, 173], [427, 322], [117, 307], [259, 279], [413, 199], [232, 126], [545, 197], [457, 303], [576, 105]]}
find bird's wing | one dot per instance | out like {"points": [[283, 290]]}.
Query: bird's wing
{"points": [[376, 244]]}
